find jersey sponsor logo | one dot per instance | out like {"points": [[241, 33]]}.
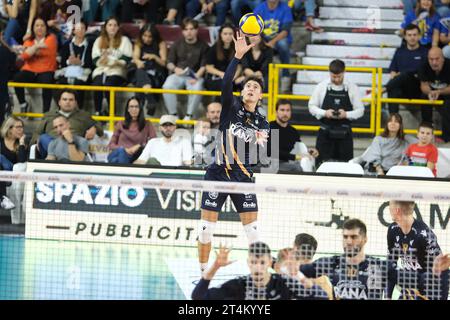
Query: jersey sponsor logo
{"points": [[408, 263], [213, 195], [249, 205], [354, 290], [238, 130], [210, 203]]}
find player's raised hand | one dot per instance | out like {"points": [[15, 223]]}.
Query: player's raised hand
{"points": [[222, 257], [240, 45], [441, 263]]}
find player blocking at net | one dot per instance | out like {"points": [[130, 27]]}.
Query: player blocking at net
{"points": [[242, 132]]}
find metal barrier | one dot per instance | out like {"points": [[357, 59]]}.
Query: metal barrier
{"points": [[112, 118], [381, 100], [274, 76], [376, 101]]}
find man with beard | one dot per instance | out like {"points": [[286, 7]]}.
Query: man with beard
{"points": [[168, 150], [260, 284], [354, 275], [413, 249], [291, 157]]}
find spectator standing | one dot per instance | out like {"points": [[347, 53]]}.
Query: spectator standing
{"points": [[335, 102]]}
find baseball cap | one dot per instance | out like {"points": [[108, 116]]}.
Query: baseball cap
{"points": [[167, 118]]}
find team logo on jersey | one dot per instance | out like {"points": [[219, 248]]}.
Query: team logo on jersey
{"points": [[405, 247], [213, 195], [352, 271]]}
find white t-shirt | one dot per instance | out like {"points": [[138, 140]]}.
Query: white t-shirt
{"points": [[171, 153], [98, 147]]}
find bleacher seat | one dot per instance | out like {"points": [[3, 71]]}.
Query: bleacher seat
{"points": [[410, 171], [341, 167]]}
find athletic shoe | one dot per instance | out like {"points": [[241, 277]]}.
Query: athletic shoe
{"points": [[7, 204]]}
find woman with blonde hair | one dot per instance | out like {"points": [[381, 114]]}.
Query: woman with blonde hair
{"points": [[111, 54], [13, 151]]}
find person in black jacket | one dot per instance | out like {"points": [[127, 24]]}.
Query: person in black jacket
{"points": [[7, 65]]}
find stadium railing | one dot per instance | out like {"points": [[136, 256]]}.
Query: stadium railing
{"points": [[381, 100], [112, 117], [274, 72], [376, 100]]}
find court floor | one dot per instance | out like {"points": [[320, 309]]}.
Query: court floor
{"points": [[40, 269]]}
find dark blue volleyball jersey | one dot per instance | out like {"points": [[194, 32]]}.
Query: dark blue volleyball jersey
{"points": [[410, 255], [413, 251], [280, 287], [365, 281], [241, 132]]}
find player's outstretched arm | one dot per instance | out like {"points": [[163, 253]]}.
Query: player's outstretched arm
{"points": [[201, 291], [241, 47]]}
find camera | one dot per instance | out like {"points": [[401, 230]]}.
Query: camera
{"points": [[335, 114]]}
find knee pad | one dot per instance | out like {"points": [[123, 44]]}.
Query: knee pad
{"points": [[252, 232], [206, 231]]}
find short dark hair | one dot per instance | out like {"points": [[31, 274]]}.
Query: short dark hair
{"points": [[306, 244], [283, 102], [62, 117], [187, 21], [351, 224], [259, 249], [412, 26], [257, 79], [426, 124], [337, 66], [73, 92]]}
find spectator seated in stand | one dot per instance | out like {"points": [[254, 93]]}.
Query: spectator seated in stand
{"points": [[423, 153], [39, 63], [434, 76], [196, 8], [168, 150], [187, 59], [80, 121], [213, 111], [218, 58], [444, 36], [290, 157], [278, 21], [58, 14], [67, 146], [76, 61], [98, 145], [310, 12], [407, 60], [90, 9], [202, 142], [111, 54], [387, 149], [21, 15], [256, 62], [427, 19], [149, 65], [131, 135]]}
